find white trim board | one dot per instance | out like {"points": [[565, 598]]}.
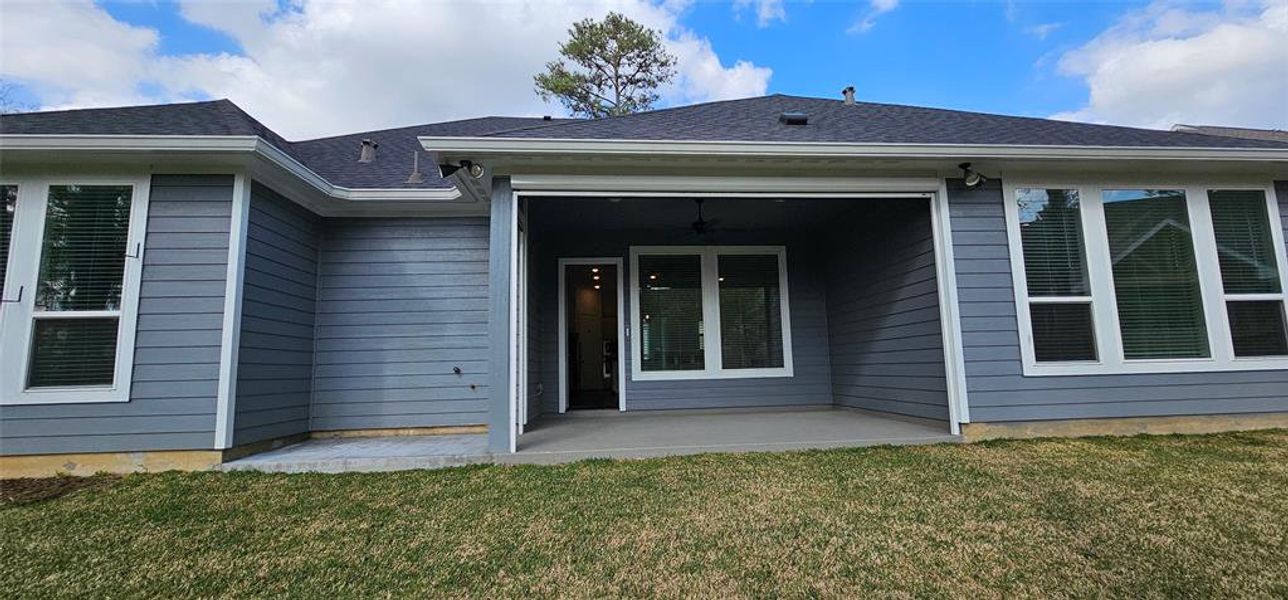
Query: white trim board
{"points": [[949, 311], [617, 262], [712, 359], [226, 145], [23, 272], [230, 339], [721, 186], [1109, 347]]}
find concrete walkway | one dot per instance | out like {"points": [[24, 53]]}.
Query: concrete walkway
{"points": [[608, 434]]}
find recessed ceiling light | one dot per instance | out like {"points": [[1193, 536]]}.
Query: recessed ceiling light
{"points": [[652, 276], [597, 286], [596, 278], [594, 269]]}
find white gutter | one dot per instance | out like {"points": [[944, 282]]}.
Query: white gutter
{"points": [[220, 144], [537, 146]]}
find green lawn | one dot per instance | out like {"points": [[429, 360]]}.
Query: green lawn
{"points": [[1193, 516]]}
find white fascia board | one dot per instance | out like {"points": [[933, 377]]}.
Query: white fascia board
{"points": [[732, 185], [531, 147], [218, 144]]}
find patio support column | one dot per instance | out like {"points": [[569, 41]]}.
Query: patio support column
{"points": [[500, 240]]}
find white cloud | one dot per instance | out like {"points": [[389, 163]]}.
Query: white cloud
{"points": [[1042, 30], [767, 11], [325, 67], [875, 9], [1167, 64]]}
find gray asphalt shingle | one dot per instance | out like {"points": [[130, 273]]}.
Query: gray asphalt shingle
{"points": [[750, 119]]}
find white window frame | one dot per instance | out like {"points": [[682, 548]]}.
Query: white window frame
{"points": [[24, 269], [1109, 348], [712, 348]]}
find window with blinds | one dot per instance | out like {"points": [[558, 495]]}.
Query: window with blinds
{"points": [[1155, 278], [1249, 262], [711, 312], [751, 326], [670, 305], [78, 290], [1118, 279], [1055, 272]]}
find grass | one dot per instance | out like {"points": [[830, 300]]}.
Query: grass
{"points": [[1182, 516]]}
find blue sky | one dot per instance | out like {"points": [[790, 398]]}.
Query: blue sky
{"points": [[1136, 63]]}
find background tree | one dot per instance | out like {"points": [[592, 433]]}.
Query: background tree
{"points": [[9, 102], [618, 65]]}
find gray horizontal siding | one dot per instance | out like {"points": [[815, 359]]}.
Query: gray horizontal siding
{"points": [[176, 371], [998, 390], [811, 383], [275, 355], [400, 303], [883, 316]]}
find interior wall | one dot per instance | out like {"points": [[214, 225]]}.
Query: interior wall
{"points": [[885, 335]]}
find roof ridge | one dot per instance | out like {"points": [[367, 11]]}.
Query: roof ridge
{"points": [[638, 114]]}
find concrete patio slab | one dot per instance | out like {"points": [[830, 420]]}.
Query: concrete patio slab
{"points": [[613, 434], [338, 455], [609, 434]]}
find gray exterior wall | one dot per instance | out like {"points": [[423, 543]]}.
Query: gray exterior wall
{"points": [[176, 371], [400, 303], [885, 334], [997, 389], [279, 293], [811, 384]]}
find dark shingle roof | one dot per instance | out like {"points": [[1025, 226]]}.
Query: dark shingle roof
{"points": [[1276, 135], [333, 158], [750, 119], [756, 119], [336, 158]]}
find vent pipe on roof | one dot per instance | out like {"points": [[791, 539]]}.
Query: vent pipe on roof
{"points": [[368, 152], [848, 92], [416, 176]]}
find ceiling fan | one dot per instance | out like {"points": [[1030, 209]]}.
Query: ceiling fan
{"points": [[703, 227]]}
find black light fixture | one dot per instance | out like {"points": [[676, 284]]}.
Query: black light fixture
{"points": [[971, 176], [474, 169]]}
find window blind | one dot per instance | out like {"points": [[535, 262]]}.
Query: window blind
{"points": [[9, 197], [1249, 265], [78, 292], [1244, 245], [1156, 283], [73, 351], [1062, 331], [82, 262], [1055, 272], [1051, 233], [671, 323], [1257, 328], [751, 326]]}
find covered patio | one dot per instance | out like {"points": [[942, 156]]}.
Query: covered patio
{"points": [[610, 434]]}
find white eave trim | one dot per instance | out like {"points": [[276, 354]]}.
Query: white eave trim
{"points": [[232, 144], [534, 146]]}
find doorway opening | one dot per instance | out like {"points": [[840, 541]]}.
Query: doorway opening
{"points": [[591, 334]]}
